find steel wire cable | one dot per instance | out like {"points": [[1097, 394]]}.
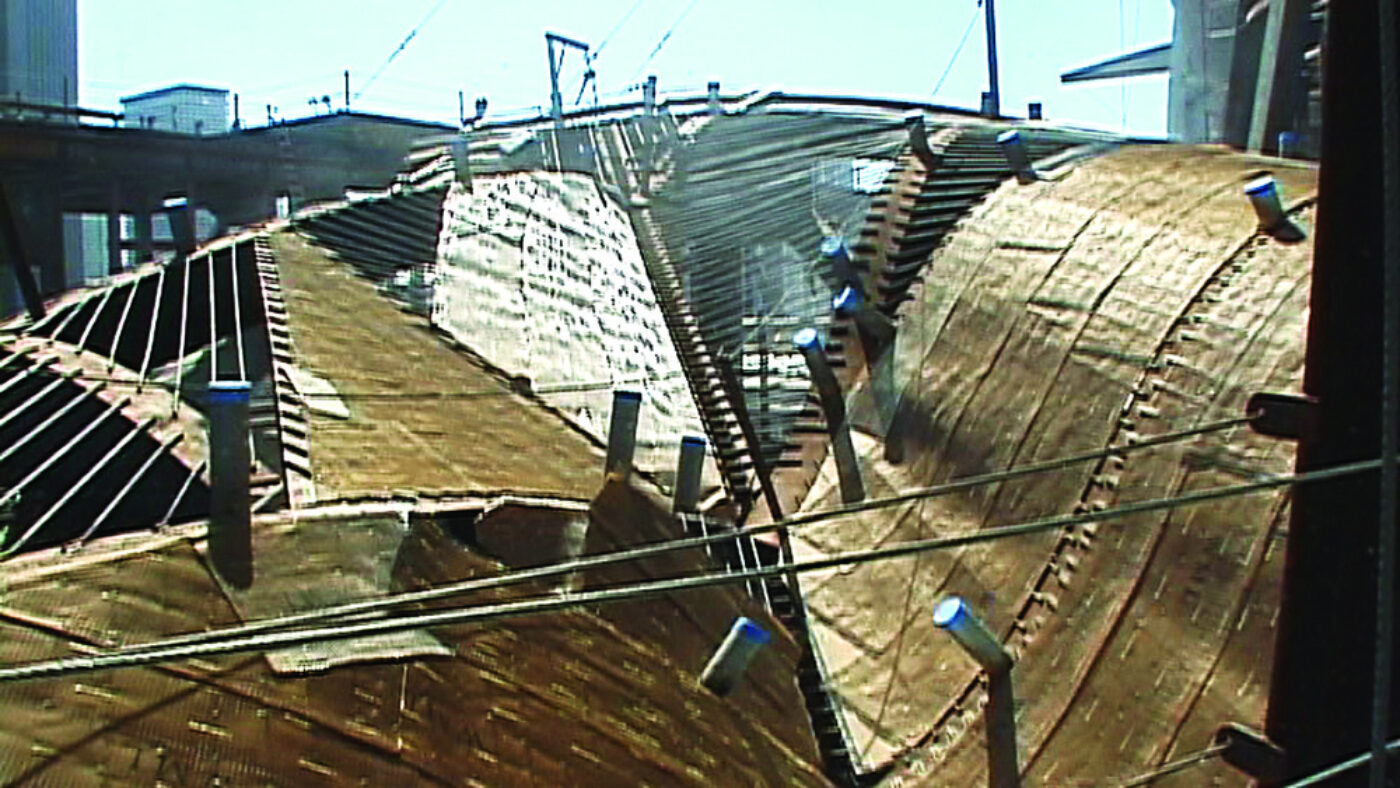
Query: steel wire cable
{"points": [[1175, 766], [1341, 768], [637, 591], [660, 548]]}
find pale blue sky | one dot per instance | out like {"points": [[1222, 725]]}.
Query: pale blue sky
{"points": [[285, 52]]}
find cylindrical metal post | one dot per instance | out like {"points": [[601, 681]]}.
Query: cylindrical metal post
{"points": [[953, 615], [649, 95], [714, 106], [834, 409], [992, 105], [1263, 195], [622, 432], [230, 515], [726, 667], [688, 470], [181, 216], [875, 330], [461, 161], [876, 338], [1014, 149]]}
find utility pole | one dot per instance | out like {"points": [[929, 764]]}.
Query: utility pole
{"points": [[556, 101], [991, 100]]}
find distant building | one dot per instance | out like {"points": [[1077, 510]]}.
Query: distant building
{"points": [[39, 51], [187, 109]]}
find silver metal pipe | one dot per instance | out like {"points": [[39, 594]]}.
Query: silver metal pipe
{"points": [[1273, 218], [230, 515], [726, 667], [953, 615], [622, 432], [1019, 159], [688, 471], [834, 408]]}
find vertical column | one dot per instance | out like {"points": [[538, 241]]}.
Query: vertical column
{"points": [[834, 409], [230, 515], [727, 665], [688, 471], [114, 231], [1003, 765], [145, 235], [622, 432]]}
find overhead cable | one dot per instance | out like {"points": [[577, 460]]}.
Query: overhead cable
{"points": [[1175, 766], [975, 13], [402, 45], [1341, 768], [559, 602], [664, 38], [660, 548]]}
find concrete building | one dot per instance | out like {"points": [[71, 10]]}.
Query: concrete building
{"points": [[39, 51], [186, 109], [1243, 72]]}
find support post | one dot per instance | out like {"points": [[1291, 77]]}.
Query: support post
{"points": [[230, 515], [714, 106], [13, 252], [622, 432], [114, 232], [727, 665], [181, 216], [876, 334], [145, 236], [991, 104], [347, 91], [834, 409], [649, 95], [688, 470], [1017, 157], [1003, 765]]}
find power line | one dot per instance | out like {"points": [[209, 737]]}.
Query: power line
{"points": [[400, 48], [638, 553], [664, 38], [1341, 768], [959, 50], [637, 591]]}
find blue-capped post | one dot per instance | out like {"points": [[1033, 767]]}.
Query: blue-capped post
{"points": [[726, 667], [230, 511], [689, 468], [622, 432], [834, 409], [954, 616]]}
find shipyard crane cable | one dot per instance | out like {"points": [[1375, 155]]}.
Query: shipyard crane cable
{"points": [[557, 602], [664, 38], [402, 44], [973, 21], [638, 553]]}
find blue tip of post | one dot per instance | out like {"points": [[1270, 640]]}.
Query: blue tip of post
{"points": [[751, 631], [229, 391], [692, 440], [1008, 136], [624, 394], [806, 338], [833, 245], [848, 298], [1260, 186], [949, 612], [175, 202]]}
